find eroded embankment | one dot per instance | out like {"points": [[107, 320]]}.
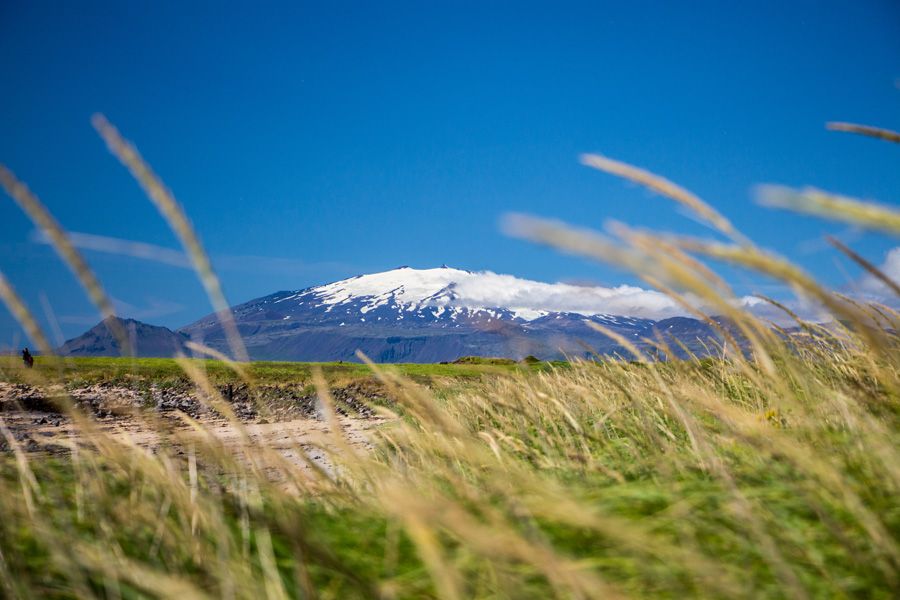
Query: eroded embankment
{"points": [[287, 418]]}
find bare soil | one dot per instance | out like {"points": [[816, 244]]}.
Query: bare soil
{"points": [[287, 419]]}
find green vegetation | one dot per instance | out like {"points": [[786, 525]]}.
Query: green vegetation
{"points": [[693, 478], [86, 371], [483, 360]]}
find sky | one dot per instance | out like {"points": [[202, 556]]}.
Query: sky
{"points": [[313, 142]]}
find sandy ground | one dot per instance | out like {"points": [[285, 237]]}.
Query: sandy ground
{"points": [[302, 442]]}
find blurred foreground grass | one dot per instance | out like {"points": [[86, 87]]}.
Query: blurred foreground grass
{"points": [[770, 471], [686, 478]]}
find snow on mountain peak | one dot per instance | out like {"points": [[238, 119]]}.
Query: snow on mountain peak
{"points": [[403, 285], [410, 289]]}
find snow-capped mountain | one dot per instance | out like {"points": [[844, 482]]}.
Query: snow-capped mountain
{"points": [[431, 315], [455, 291]]}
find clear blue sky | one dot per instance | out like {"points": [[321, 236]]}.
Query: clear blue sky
{"points": [[314, 142]]}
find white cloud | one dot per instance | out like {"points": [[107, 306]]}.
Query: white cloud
{"points": [[239, 263], [110, 245], [154, 309], [526, 296]]}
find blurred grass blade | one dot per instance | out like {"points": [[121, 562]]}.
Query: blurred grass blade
{"points": [[174, 214], [865, 264], [866, 130], [41, 217], [619, 339], [877, 340], [239, 368], [580, 242], [666, 188], [24, 317], [831, 206]]}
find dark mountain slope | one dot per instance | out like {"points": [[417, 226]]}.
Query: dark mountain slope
{"points": [[148, 341]]}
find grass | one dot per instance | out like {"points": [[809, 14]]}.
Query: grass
{"points": [[91, 370], [575, 482], [771, 471]]}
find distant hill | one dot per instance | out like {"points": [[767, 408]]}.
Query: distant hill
{"points": [[148, 340]]}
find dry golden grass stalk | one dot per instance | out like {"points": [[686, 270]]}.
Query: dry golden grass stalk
{"points": [[41, 217], [413, 397], [877, 341], [875, 132], [644, 256], [812, 201], [697, 268], [174, 214], [647, 262], [577, 241], [619, 339], [666, 188], [21, 313], [681, 269], [27, 480], [331, 417], [118, 567], [865, 264], [777, 267], [239, 368]]}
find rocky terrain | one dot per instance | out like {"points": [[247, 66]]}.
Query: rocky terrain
{"points": [[263, 402], [291, 413]]}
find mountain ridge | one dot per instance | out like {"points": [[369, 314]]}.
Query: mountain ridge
{"points": [[147, 340], [435, 315]]}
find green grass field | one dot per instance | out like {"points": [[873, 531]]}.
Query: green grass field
{"points": [[159, 370], [689, 478]]}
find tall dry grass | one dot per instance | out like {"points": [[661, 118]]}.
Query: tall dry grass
{"points": [[769, 468], [175, 216]]}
